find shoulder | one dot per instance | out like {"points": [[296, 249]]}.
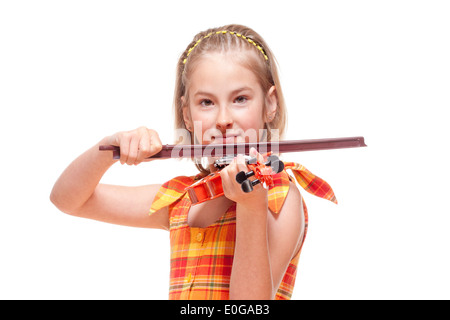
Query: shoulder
{"points": [[280, 190], [293, 204], [170, 192], [178, 183], [291, 207], [287, 226]]}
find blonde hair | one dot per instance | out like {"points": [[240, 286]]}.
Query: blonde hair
{"points": [[224, 39]]}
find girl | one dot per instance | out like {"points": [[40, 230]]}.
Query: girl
{"points": [[240, 245]]}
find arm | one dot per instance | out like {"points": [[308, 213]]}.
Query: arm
{"points": [[265, 242], [251, 275], [78, 192], [265, 245]]}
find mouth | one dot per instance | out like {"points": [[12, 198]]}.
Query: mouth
{"points": [[226, 139]]}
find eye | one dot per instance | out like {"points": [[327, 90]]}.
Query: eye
{"points": [[206, 103], [241, 100]]}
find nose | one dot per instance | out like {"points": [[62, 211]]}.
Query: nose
{"points": [[224, 120]]}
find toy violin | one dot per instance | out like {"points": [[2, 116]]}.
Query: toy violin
{"points": [[210, 187]]}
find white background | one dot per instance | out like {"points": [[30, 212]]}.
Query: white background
{"points": [[72, 72]]}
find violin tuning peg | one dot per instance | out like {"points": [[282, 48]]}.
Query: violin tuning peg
{"points": [[247, 185], [242, 176], [277, 166], [270, 159]]}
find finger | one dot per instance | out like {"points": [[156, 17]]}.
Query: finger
{"points": [[114, 140], [143, 147], [133, 152], [256, 154], [124, 147], [232, 186], [155, 142], [225, 181], [223, 176], [240, 163]]}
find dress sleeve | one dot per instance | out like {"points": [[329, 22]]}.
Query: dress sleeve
{"points": [[305, 178], [278, 192], [170, 192], [310, 182]]}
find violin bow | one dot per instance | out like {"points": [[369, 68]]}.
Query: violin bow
{"points": [[220, 150]]}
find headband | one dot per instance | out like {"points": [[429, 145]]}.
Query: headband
{"points": [[225, 32]]}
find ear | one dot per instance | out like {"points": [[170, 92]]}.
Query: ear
{"points": [[186, 115], [271, 104]]}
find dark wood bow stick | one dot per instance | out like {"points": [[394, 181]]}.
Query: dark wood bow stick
{"points": [[220, 150]]}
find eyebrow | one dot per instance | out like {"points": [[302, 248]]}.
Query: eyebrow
{"points": [[234, 92]]}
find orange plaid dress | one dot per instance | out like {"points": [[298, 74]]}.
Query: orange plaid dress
{"points": [[201, 258]]}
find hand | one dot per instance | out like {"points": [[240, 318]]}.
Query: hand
{"points": [[232, 189], [136, 145]]}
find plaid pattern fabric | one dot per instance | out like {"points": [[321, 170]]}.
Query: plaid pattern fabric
{"points": [[201, 258], [310, 182]]}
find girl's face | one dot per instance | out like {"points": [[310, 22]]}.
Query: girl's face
{"points": [[226, 101]]}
